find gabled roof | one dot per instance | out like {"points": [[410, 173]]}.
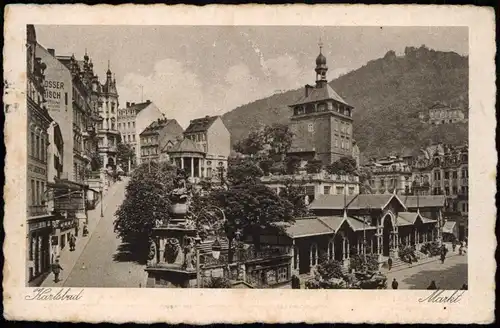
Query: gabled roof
{"points": [[157, 126], [424, 201], [409, 218], [305, 227], [186, 145], [354, 202], [318, 94], [201, 124], [138, 107], [332, 222], [358, 225]]}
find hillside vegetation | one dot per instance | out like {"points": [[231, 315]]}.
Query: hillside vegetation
{"points": [[387, 94]]}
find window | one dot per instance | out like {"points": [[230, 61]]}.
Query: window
{"points": [[455, 174], [339, 190], [455, 190], [347, 129], [133, 137], [336, 143], [209, 172], [282, 273], [336, 125], [42, 154], [446, 175], [37, 149], [37, 194], [133, 125], [33, 192], [446, 190], [33, 147], [347, 145], [351, 190], [128, 125], [342, 144], [310, 127], [326, 190]]}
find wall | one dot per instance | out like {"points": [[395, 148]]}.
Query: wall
{"points": [[218, 139], [143, 119], [58, 83]]}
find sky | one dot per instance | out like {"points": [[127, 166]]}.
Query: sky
{"points": [[193, 71]]}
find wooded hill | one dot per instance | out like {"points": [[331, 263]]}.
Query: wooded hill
{"points": [[387, 93]]}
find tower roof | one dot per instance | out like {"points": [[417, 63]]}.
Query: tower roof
{"points": [[320, 60], [319, 94]]}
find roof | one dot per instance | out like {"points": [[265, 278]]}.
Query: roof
{"points": [[156, 126], [333, 222], [408, 217], [138, 107], [318, 94], [311, 226], [201, 124], [424, 201], [361, 201], [357, 224], [186, 145]]}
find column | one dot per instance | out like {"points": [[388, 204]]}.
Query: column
{"points": [[182, 162], [199, 166], [371, 245], [348, 248], [358, 246], [192, 166]]}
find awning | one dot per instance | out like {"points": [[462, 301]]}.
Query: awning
{"points": [[448, 227]]}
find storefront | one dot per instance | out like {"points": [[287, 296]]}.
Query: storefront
{"points": [[39, 250]]}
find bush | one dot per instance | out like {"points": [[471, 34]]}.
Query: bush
{"points": [[406, 253], [217, 282], [431, 249], [358, 261], [314, 166]]}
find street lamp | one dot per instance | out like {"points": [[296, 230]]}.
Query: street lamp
{"points": [[102, 200]]}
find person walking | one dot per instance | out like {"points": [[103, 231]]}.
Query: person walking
{"points": [[432, 285], [56, 269], [454, 245], [395, 284], [295, 282], [389, 263], [410, 260], [443, 257]]}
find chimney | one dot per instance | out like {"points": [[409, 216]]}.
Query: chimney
{"points": [[128, 104], [52, 52], [308, 88]]}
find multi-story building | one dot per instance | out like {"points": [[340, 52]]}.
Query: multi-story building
{"points": [[205, 149], [108, 133], [441, 113], [158, 137], [390, 174], [315, 184], [133, 120], [39, 225], [321, 121]]}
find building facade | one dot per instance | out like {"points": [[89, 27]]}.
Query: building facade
{"points": [[159, 137], [39, 219], [389, 175], [133, 120], [441, 113], [205, 149], [321, 121]]}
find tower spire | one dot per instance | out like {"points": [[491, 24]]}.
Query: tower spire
{"points": [[320, 44], [321, 67]]}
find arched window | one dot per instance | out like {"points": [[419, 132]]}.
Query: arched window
{"points": [[313, 251], [331, 250]]}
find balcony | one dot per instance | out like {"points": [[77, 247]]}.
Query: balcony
{"points": [[390, 169], [38, 210]]}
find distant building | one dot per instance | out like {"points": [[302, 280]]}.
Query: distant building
{"points": [[158, 137], [390, 174], [133, 120], [441, 113], [321, 121], [205, 149]]}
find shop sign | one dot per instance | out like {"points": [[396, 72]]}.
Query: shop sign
{"points": [[38, 225]]}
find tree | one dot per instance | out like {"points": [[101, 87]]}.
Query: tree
{"points": [[252, 144], [279, 138], [294, 192], [124, 154], [243, 171], [147, 199], [344, 166], [364, 181], [266, 165], [252, 209], [292, 164], [314, 166], [95, 161]]}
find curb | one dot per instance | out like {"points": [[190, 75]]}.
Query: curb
{"points": [[81, 247]]}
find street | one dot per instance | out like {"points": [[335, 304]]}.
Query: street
{"points": [[450, 275], [101, 263]]}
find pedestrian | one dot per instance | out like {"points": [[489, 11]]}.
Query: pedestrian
{"points": [[454, 245], [72, 242], [432, 285], [295, 282], [395, 284], [465, 240], [460, 250], [410, 260], [56, 269], [389, 263], [443, 257]]}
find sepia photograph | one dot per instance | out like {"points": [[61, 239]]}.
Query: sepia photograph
{"points": [[247, 158], [316, 157]]}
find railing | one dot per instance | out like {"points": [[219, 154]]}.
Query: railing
{"points": [[35, 210], [390, 169]]}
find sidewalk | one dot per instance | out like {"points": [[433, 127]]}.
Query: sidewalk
{"points": [[67, 258]]}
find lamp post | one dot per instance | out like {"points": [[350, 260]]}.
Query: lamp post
{"points": [[102, 200]]}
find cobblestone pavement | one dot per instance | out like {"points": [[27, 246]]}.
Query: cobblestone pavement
{"points": [[450, 275], [98, 264]]}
